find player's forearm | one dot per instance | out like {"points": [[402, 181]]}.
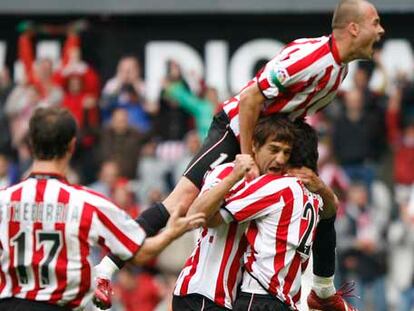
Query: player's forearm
{"points": [[210, 201], [152, 247], [249, 110], [330, 202]]}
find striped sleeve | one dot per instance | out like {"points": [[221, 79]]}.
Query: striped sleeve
{"points": [[215, 176], [273, 80], [118, 231]]}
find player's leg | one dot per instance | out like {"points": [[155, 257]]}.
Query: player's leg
{"points": [[18, 304], [324, 257], [323, 295], [220, 146], [194, 302], [258, 302], [183, 194], [187, 303]]}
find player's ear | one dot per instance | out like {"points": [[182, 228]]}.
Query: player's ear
{"points": [[353, 29], [72, 146], [254, 149]]}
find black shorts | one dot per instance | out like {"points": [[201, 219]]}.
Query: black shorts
{"points": [[18, 304], [220, 146], [195, 302], [258, 302]]}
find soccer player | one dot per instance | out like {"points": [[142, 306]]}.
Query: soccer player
{"points": [[48, 226], [281, 214], [301, 79], [212, 273]]}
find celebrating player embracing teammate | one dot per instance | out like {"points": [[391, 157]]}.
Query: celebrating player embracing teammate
{"points": [[303, 78]]}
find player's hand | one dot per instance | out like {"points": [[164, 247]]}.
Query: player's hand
{"points": [[308, 177], [253, 172], [177, 225], [242, 165]]}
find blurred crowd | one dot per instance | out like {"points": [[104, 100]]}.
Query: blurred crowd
{"points": [[134, 150]]}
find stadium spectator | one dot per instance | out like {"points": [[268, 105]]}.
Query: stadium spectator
{"points": [[37, 73], [83, 107], [401, 256], [72, 63], [6, 178], [172, 122], [331, 173], [401, 139], [151, 172], [362, 250], [6, 87], [121, 143], [128, 73], [129, 100], [124, 197], [354, 134], [404, 256], [108, 175], [202, 108], [20, 104]]}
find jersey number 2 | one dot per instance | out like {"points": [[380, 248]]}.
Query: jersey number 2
{"points": [[51, 243], [305, 245]]}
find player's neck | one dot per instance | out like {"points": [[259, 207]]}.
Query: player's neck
{"points": [[344, 46], [56, 166]]}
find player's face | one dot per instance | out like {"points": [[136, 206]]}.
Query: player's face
{"points": [[370, 32], [273, 156]]}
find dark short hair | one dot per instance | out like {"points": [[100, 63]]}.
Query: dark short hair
{"points": [[50, 132], [305, 147], [276, 126]]}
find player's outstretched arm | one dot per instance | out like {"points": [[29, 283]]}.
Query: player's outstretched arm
{"points": [[210, 201], [175, 228]]}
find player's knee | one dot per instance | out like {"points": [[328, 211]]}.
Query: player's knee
{"points": [[181, 197]]}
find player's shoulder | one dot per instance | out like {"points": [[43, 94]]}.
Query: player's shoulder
{"points": [[13, 187], [293, 184], [89, 195], [306, 42], [276, 183], [221, 169], [304, 46], [299, 188], [217, 173]]}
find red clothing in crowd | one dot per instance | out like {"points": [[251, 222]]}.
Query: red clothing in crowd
{"points": [[144, 296], [403, 153]]}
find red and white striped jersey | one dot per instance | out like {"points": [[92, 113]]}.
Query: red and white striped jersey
{"points": [[47, 230], [214, 268], [301, 79], [283, 216]]}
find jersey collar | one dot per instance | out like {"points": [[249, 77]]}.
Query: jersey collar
{"points": [[334, 49], [47, 175]]}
